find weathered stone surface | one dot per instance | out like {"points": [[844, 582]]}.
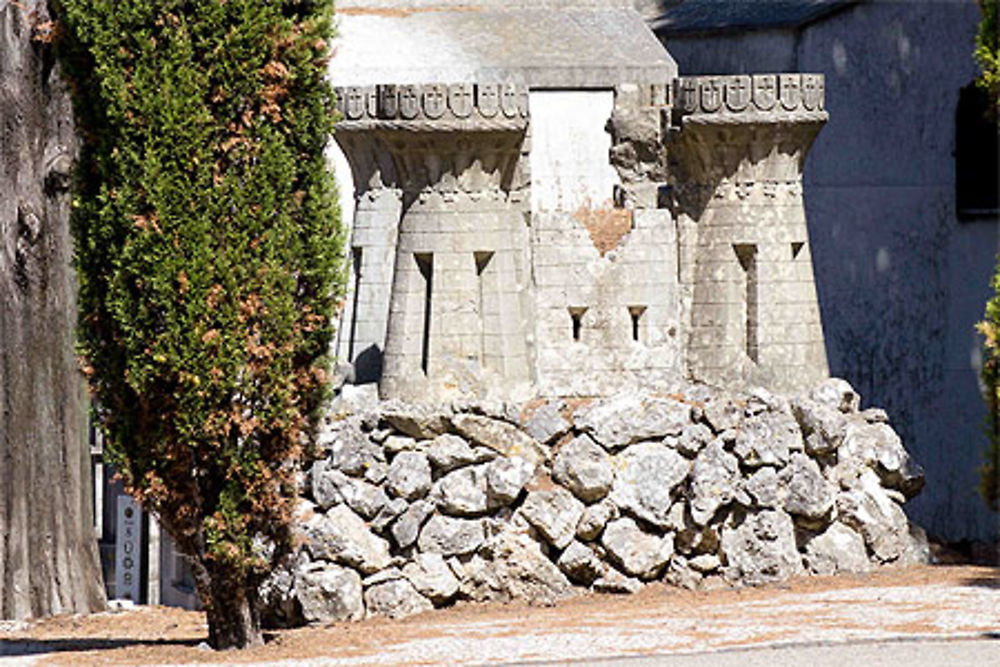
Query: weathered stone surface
{"points": [[646, 477], [329, 593], [767, 439], [761, 549], [353, 453], [450, 536], [680, 573], [407, 527], [722, 414], [594, 518], [693, 438], [394, 444], [555, 514], [331, 486], [389, 513], [614, 581], [341, 535], [705, 563], [581, 564], [714, 479], [583, 467], [808, 494], [837, 549], [629, 418], [546, 422], [877, 446], [838, 394], [500, 437], [447, 452], [822, 425], [462, 492], [512, 566], [416, 421], [637, 552], [869, 510], [506, 477], [431, 576], [395, 599], [765, 488], [409, 475]]}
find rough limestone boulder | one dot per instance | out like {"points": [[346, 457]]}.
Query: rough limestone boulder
{"points": [[714, 481], [630, 418], [450, 536], [583, 467], [396, 598], [342, 536], [838, 549], [646, 477], [513, 566], [761, 549], [555, 514], [329, 593], [432, 577], [637, 552]]}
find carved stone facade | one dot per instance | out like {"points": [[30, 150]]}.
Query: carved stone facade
{"points": [[662, 239]]}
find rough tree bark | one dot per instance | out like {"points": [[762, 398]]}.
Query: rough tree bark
{"points": [[48, 551]]}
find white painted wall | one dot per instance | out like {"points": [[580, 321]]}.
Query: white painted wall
{"points": [[569, 150]]}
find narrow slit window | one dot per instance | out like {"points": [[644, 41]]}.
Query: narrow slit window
{"points": [[576, 314], [636, 313], [356, 257], [797, 248], [483, 259], [425, 263], [746, 253]]}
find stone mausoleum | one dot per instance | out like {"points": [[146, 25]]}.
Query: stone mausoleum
{"points": [[544, 207], [582, 342]]}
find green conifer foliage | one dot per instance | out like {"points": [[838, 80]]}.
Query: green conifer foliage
{"points": [[209, 255]]}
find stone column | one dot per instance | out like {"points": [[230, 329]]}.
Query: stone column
{"points": [[378, 208], [737, 174], [456, 324]]}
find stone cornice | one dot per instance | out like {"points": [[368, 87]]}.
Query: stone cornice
{"points": [[751, 99], [434, 107]]}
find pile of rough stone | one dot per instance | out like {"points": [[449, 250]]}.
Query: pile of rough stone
{"points": [[415, 507]]}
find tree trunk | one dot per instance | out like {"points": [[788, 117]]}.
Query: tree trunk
{"points": [[48, 550], [233, 611]]}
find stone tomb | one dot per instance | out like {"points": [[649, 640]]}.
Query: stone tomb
{"points": [[584, 343], [543, 207]]}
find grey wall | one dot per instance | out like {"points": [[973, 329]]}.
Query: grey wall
{"points": [[901, 281]]}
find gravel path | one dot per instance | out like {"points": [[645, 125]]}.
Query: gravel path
{"points": [[655, 623]]}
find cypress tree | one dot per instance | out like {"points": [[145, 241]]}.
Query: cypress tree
{"points": [[208, 249]]}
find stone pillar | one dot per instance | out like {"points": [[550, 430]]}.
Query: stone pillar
{"points": [[456, 322], [737, 173], [378, 208]]}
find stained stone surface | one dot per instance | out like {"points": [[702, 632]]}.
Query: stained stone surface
{"points": [[515, 528]]}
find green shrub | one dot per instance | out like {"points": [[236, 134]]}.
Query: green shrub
{"points": [[208, 250]]}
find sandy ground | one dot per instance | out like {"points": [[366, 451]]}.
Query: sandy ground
{"points": [[932, 603]]}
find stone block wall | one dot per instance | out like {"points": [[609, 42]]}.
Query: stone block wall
{"points": [[412, 507]]}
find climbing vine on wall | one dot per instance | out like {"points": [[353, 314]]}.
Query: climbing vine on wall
{"points": [[208, 250]]}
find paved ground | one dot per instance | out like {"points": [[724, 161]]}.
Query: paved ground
{"points": [[921, 616]]}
